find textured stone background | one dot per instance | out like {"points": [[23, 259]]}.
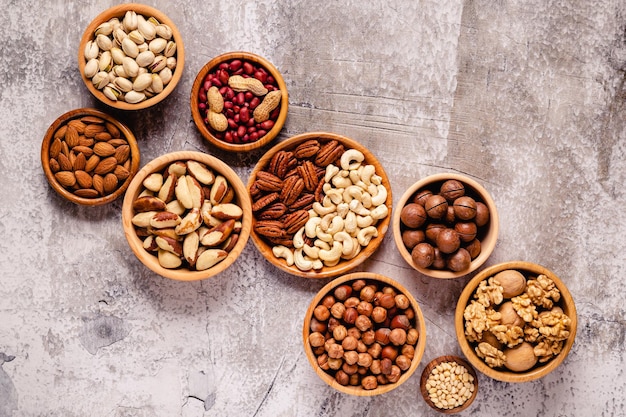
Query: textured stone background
{"points": [[528, 98]]}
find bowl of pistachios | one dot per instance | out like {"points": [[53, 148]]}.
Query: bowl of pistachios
{"points": [[131, 56]]}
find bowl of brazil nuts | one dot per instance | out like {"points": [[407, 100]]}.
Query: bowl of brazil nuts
{"points": [[131, 56], [515, 321], [321, 204], [449, 384], [364, 334], [89, 157], [187, 216], [446, 225], [239, 101]]}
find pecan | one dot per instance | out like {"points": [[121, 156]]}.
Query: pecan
{"points": [[270, 228], [264, 201], [296, 220], [255, 193], [292, 188], [309, 174], [268, 182], [281, 163], [286, 240], [272, 212], [304, 202], [329, 153], [307, 149], [319, 192]]}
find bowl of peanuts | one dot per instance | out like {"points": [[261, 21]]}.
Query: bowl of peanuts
{"points": [[89, 157], [515, 321], [239, 101], [187, 216], [321, 204], [131, 56], [446, 225], [449, 384], [364, 334]]}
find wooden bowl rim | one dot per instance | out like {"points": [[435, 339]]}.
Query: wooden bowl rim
{"points": [[343, 266], [284, 101], [419, 348], [488, 244], [45, 156], [136, 244], [119, 11], [431, 365], [504, 375]]}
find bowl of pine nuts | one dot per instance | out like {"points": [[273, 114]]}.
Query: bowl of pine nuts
{"points": [[449, 384]]}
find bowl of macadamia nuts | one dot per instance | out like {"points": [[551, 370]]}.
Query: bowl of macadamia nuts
{"points": [[364, 334], [239, 101], [131, 56], [515, 321], [187, 216], [321, 204], [445, 225]]}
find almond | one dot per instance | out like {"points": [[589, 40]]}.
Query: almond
{"points": [[102, 136], [117, 142], [83, 179], [65, 178], [60, 133], [91, 119], [112, 129], [110, 183], [106, 165], [55, 148], [83, 141], [80, 162], [92, 130], [92, 162], [54, 165], [87, 193], [71, 136], [84, 149], [103, 149], [122, 153], [98, 184], [77, 125], [121, 173], [64, 163]]}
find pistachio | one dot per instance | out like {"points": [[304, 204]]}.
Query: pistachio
{"points": [[105, 29], [118, 55], [130, 21], [164, 31], [129, 47], [143, 47], [136, 37], [91, 68], [171, 62], [104, 42], [153, 20], [158, 64], [142, 82], [91, 50], [104, 62], [147, 29], [119, 71], [111, 92], [170, 49], [145, 58], [157, 84], [134, 97], [119, 35], [166, 75], [123, 84], [130, 67], [100, 80], [157, 45]]}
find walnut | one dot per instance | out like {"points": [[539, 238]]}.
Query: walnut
{"points": [[508, 335], [475, 320], [524, 307], [489, 292], [546, 350], [531, 334], [493, 357], [553, 325], [543, 292]]}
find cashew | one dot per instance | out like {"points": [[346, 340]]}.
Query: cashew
{"points": [[321, 244], [326, 237], [336, 225], [312, 252], [366, 174], [318, 264], [377, 179], [298, 238], [346, 241], [323, 210], [366, 200], [380, 197], [356, 249], [331, 171], [349, 223], [326, 220], [284, 252], [379, 212], [357, 207], [335, 195], [301, 262], [351, 159], [365, 235], [340, 181], [364, 221], [355, 175], [352, 192], [311, 226], [343, 209], [329, 256]]}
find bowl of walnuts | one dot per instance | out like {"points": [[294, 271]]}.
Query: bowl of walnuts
{"points": [[239, 101], [364, 334], [515, 321], [186, 216], [131, 56], [446, 225], [321, 204]]}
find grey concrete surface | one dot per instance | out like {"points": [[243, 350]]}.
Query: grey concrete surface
{"points": [[526, 97]]}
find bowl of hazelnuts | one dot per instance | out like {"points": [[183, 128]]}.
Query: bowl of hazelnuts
{"points": [[446, 225]]}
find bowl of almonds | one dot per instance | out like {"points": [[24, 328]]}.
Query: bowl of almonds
{"points": [[364, 334], [187, 216], [515, 321], [449, 384], [89, 157], [321, 204], [131, 56], [239, 101]]}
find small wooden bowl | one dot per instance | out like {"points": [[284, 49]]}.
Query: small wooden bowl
{"points": [[344, 265], [502, 374], [426, 374], [198, 118], [136, 187], [49, 138], [381, 281], [119, 11], [472, 188]]}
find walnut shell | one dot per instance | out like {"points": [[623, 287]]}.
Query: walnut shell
{"points": [[520, 358], [513, 282]]}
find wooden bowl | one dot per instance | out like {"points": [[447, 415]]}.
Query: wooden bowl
{"points": [[199, 116], [118, 12], [427, 372], [381, 281], [159, 164], [71, 153], [343, 266], [540, 370], [487, 235]]}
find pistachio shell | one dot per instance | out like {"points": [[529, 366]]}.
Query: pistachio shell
{"points": [[147, 29], [170, 49], [142, 82], [100, 80], [111, 92], [145, 58], [123, 84], [91, 50], [171, 62], [119, 35], [91, 68], [119, 71], [157, 84], [130, 21], [105, 28], [104, 42], [105, 60], [158, 64], [130, 67], [164, 31], [166, 75], [117, 54], [157, 45], [153, 20], [130, 48], [136, 37], [134, 97]]}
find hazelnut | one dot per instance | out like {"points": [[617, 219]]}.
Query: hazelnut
{"points": [[335, 363], [459, 260], [322, 361], [395, 374], [513, 282], [465, 208], [365, 359], [332, 323], [520, 358], [473, 248], [375, 350], [421, 197], [354, 332], [349, 343], [316, 339], [411, 336], [337, 310], [342, 292], [448, 240], [403, 362], [328, 301], [398, 336], [482, 214], [379, 314], [413, 215], [368, 337], [340, 332], [436, 206], [358, 284], [376, 367], [411, 237], [349, 369], [402, 301], [317, 326], [467, 231], [367, 293], [389, 352], [363, 323], [321, 312], [452, 189], [365, 308], [351, 357], [369, 382], [351, 302], [386, 365], [335, 351], [386, 300], [342, 378], [408, 350], [350, 315], [381, 335], [423, 255], [400, 321]]}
